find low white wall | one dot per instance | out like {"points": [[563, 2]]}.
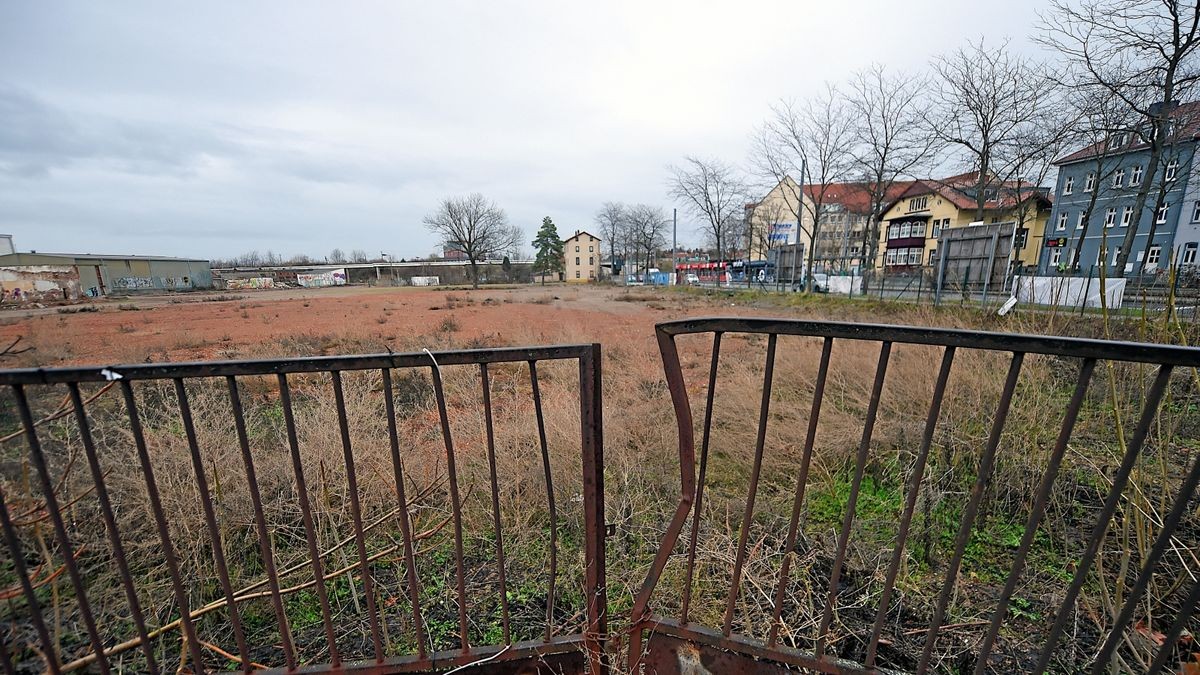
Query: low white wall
{"points": [[1069, 291]]}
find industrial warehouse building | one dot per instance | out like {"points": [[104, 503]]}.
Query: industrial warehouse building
{"points": [[68, 276]]}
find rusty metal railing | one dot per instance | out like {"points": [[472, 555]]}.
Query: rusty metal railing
{"points": [[33, 611], [678, 642]]}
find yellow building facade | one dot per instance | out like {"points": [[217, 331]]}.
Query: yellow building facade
{"points": [[581, 258]]}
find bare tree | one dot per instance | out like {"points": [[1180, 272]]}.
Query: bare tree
{"points": [[1143, 52], [337, 256], [890, 141], [477, 225], [813, 141], [611, 220], [715, 193], [984, 100], [648, 230]]}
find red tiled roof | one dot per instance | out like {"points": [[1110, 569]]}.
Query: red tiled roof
{"points": [[955, 190], [1189, 112], [855, 197]]}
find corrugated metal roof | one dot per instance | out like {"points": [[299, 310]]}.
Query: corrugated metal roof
{"points": [[93, 256]]}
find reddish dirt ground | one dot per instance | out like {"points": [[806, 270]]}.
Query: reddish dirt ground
{"points": [[254, 324]]}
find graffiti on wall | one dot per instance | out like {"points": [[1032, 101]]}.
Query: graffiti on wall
{"points": [[134, 282], [250, 283], [320, 279], [39, 283]]}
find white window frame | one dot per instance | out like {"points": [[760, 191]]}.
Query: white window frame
{"points": [[1154, 255], [1126, 216], [1055, 256], [905, 230], [1189, 254], [890, 258], [1171, 170], [1196, 212], [918, 229], [1090, 183], [1118, 178], [1110, 217], [1069, 185], [1062, 222], [1079, 220], [1160, 218], [1135, 175]]}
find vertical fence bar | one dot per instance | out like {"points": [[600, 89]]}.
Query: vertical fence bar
{"points": [[986, 463], [1161, 543], [160, 522], [1039, 509], [591, 427], [210, 519], [541, 427], [35, 610], [1171, 638], [748, 514], [910, 503], [310, 532], [110, 526], [860, 467], [38, 460], [360, 543], [410, 565], [801, 483], [455, 505], [6, 660], [1066, 608], [698, 506], [260, 523], [499, 530]]}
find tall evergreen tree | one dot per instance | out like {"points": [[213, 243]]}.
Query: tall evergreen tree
{"points": [[549, 247]]}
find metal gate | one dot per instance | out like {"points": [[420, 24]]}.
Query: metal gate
{"points": [[338, 565]]}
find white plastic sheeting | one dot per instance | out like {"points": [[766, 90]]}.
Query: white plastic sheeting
{"points": [[845, 285], [1069, 291]]}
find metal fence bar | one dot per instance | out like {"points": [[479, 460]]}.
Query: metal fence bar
{"points": [[410, 565], [260, 522], [1171, 637], [860, 467], [698, 508], [60, 528], [1037, 511], [210, 520], [160, 522], [549, 478], [983, 476], [591, 426], [502, 582], [801, 483], [360, 543], [310, 533], [915, 479], [110, 527], [35, 609], [751, 491], [455, 505], [1170, 524], [1106, 512]]}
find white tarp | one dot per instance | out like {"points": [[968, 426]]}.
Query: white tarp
{"points": [[1069, 291], [845, 285], [425, 281]]}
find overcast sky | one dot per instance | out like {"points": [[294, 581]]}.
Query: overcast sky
{"points": [[211, 129]]}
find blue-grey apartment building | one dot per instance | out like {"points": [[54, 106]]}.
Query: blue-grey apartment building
{"points": [[1105, 178]]}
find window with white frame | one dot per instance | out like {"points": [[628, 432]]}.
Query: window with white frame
{"points": [[905, 230], [918, 229], [1135, 176], [1153, 256], [918, 203], [1172, 169], [1189, 254], [1089, 183], [1079, 221], [932, 255], [1117, 140], [914, 256], [1161, 217], [1110, 217], [1055, 256], [1069, 185], [1126, 216], [1062, 222], [891, 256], [1196, 212], [893, 231], [935, 229], [1119, 178]]}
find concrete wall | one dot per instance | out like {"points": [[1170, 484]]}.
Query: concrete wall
{"points": [[39, 283]]}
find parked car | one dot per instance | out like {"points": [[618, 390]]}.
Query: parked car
{"points": [[692, 279]]}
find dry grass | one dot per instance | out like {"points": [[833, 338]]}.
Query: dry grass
{"points": [[641, 469]]}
